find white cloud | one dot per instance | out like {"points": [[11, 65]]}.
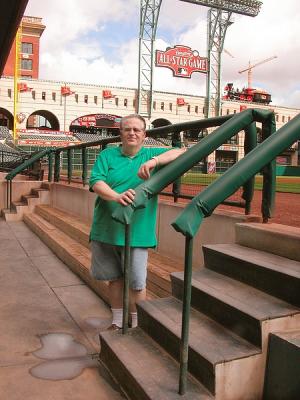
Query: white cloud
{"points": [[274, 31], [70, 52], [68, 20]]}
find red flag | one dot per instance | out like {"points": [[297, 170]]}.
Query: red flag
{"points": [[66, 91], [22, 87], [180, 101], [107, 94]]}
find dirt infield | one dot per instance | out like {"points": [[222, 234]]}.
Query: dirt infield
{"points": [[287, 206]]}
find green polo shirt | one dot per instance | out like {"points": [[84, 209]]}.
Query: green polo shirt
{"points": [[120, 173]]}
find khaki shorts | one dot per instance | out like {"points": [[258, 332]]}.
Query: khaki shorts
{"points": [[107, 264]]}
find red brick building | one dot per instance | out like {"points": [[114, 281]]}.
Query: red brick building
{"points": [[32, 29]]}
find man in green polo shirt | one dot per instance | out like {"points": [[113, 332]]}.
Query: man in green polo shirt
{"points": [[116, 172]]}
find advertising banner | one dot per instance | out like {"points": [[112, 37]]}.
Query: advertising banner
{"points": [[98, 120], [182, 60]]}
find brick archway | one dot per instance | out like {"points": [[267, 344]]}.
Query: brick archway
{"points": [[6, 118], [47, 117]]}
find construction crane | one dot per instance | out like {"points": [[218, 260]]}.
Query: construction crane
{"points": [[248, 94], [250, 67], [228, 52]]}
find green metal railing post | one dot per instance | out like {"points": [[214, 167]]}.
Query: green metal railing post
{"points": [[176, 187], [70, 164], [7, 194], [10, 194], [50, 166], [126, 279], [84, 165], [269, 175], [187, 293], [249, 144], [57, 166], [268, 190]]}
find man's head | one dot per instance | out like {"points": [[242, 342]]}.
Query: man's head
{"points": [[132, 132], [137, 116]]}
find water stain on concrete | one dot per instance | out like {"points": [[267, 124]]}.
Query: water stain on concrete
{"points": [[67, 369], [67, 357], [59, 345]]}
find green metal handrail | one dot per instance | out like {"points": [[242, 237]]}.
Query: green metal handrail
{"points": [[20, 168], [171, 172], [192, 156], [56, 153], [189, 221]]}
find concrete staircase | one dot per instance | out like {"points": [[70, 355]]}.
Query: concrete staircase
{"points": [[241, 296], [68, 238], [27, 203]]}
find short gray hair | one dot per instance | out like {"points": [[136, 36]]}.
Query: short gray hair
{"points": [[131, 116]]}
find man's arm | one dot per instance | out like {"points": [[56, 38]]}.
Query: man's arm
{"points": [[104, 191], [162, 159]]}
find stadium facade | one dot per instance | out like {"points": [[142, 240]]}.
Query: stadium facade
{"points": [[60, 107], [85, 104]]}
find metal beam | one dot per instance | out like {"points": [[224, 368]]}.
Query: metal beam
{"points": [[244, 7], [149, 13], [218, 22]]}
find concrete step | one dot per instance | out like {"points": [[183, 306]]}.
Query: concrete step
{"points": [[29, 196], [19, 208], [218, 358], [278, 239], [159, 273], [159, 267], [46, 185], [57, 228], [145, 371], [237, 306], [276, 275], [283, 367], [31, 200], [66, 222], [11, 215], [27, 204], [43, 193], [72, 253]]}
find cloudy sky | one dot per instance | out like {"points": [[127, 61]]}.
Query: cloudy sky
{"points": [[93, 41]]}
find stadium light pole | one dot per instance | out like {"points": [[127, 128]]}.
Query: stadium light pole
{"points": [[219, 19], [149, 12]]}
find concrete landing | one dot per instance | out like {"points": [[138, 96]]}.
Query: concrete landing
{"points": [[40, 298]]}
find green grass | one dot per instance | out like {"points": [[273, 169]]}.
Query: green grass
{"points": [[283, 183]]}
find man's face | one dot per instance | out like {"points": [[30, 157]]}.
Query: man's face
{"points": [[133, 133]]}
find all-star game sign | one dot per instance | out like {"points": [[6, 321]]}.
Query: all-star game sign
{"points": [[182, 60]]}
